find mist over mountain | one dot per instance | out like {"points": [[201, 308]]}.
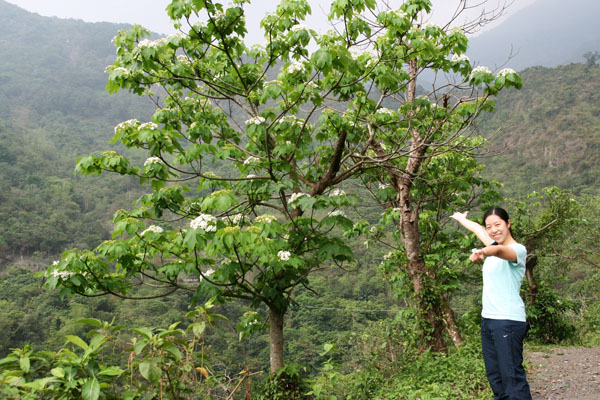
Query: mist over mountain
{"points": [[546, 33]]}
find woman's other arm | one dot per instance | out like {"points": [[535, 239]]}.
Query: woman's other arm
{"points": [[472, 226], [502, 251]]}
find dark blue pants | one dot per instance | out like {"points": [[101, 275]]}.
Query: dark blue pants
{"points": [[502, 346]]}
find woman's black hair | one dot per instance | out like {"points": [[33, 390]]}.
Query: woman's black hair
{"points": [[500, 212]]}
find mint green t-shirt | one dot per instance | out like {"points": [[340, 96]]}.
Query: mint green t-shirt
{"points": [[501, 286]]}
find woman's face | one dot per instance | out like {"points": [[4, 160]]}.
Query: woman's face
{"points": [[497, 228]]}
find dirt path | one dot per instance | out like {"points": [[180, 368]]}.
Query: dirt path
{"points": [[564, 373]]}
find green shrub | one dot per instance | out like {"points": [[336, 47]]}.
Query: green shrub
{"points": [[548, 317]]}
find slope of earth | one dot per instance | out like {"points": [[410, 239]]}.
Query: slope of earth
{"points": [[565, 373]]}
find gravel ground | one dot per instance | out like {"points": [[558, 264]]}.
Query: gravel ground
{"points": [[564, 373]]}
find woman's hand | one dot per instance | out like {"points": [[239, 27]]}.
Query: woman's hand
{"points": [[459, 216], [477, 255]]}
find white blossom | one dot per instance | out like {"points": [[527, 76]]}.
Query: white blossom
{"points": [[251, 160], [506, 71], [208, 272], [219, 15], [255, 121], [148, 125], [355, 53], [265, 219], [295, 66], [131, 123], [383, 186], [373, 229], [459, 58], [388, 256], [153, 228], [284, 255], [226, 261], [55, 263], [237, 219], [384, 110], [431, 25], [292, 120], [250, 176], [172, 36], [337, 192], [183, 59], [148, 43], [296, 196], [480, 69], [122, 70], [152, 160], [336, 213], [275, 82], [199, 25], [63, 275], [299, 27], [372, 62], [206, 222], [400, 13]]}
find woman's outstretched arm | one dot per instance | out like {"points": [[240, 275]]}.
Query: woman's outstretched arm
{"points": [[472, 226]]}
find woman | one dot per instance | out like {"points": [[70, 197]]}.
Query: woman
{"points": [[503, 324]]}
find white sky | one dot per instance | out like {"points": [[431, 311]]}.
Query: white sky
{"points": [[152, 15]]}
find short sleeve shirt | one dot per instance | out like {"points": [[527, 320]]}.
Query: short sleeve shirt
{"points": [[502, 285]]}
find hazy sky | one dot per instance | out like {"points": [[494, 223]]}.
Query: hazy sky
{"points": [[151, 13]]}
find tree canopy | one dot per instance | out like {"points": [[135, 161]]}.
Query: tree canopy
{"points": [[244, 168]]}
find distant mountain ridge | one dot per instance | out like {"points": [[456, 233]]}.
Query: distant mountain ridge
{"points": [[546, 33], [549, 131]]}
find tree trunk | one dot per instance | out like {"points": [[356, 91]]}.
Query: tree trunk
{"points": [[450, 322], [530, 264], [276, 339], [427, 309], [427, 305]]}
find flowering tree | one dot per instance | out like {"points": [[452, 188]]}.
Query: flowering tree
{"points": [[247, 144]]}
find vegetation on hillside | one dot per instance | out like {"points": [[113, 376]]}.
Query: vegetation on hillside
{"points": [[547, 133]]}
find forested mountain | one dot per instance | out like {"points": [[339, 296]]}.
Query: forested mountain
{"points": [[547, 133], [53, 109], [546, 33]]}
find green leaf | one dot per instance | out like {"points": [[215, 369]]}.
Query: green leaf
{"points": [[150, 371], [323, 59], [199, 328], [171, 348], [139, 346], [39, 384], [145, 332], [97, 341], [111, 371], [90, 321], [24, 364], [76, 340], [90, 389]]}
